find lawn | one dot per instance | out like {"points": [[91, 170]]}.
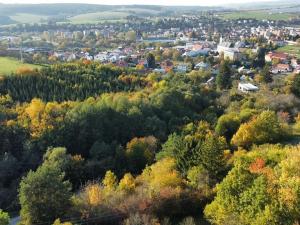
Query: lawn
{"points": [[259, 15], [291, 49], [10, 65]]}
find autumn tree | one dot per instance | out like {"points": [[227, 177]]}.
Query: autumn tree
{"points": [[260, 189], [161, 174], [130, 36], [110, 182], [127, 183], [57, 222], [265, 128]]}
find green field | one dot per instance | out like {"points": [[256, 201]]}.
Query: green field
{"points": [[99, 17], [28, 18], [291, 49], [10, 65], [259, 15]]}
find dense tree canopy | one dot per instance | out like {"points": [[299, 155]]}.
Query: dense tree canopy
{"points": [[262, 188], [139, 146], [265, 128]]}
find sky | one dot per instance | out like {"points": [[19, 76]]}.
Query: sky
{"points": [[143, 2]]}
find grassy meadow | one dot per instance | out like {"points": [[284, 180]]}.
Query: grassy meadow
{"points": [[98, 17], [259, 15], [28, 18], [11, 65]]}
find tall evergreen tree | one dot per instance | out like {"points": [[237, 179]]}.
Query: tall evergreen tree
{"points": [[151, 60], [224, 76]]}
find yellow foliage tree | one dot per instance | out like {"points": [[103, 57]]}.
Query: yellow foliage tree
{"points": [[162, 174], [110, 182], [93, 194], [127, 183], [265, 128], [57, 222], [39, 116]]}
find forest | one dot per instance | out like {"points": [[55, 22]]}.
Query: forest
{"points": [[85, 143]]}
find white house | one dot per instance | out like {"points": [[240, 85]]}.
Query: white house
{"points": [[203, 51], [101, 57], [183, 67], [247, 87], [202, 66]]}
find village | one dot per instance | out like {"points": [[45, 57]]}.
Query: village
{"points": [[196, 44]]}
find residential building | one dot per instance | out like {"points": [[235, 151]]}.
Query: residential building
{"points": [[247, 87]]}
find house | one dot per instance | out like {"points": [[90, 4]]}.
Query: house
{"points": [[183, 67], [232, 54], [202, 66], [240, 44], [70, 57], [210, 81], [101, 57], [283, 68], [247, 87], [143, 63], [223, 46], [167, 65], [202, 52], [157, 70], [114, 58], [295, 63], [122, 63], [282, 57], [243, 70]]}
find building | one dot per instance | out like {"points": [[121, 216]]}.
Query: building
{"points": [[295, 63], [167, 65], [282, 57], [102, 57], [247, 87], [232, 54], [224, 46], [200, 52], [283, 68], [182, 67], [202, 66]]}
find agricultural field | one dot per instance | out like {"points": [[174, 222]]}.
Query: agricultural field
{"points": [[291, 49], [10, 65], [260, 15], [98, 17], [28, 18]]}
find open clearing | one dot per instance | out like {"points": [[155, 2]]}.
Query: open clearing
{"points": [[10, 65], [259, 15], [98, 17], [28, 18]]}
